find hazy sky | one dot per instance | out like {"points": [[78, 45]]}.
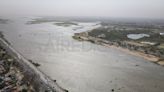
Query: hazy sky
{"points": [[101, 8]]}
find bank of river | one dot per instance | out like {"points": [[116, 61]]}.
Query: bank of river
{"points": [[17, 74], [126, 46], [82, 66]]}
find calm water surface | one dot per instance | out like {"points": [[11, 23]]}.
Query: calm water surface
{"points": [[82, 66]]}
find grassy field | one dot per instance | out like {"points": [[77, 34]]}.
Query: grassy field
{"points": [[118, 33]]}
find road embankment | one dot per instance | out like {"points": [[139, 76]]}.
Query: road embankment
{"points": [[37, 80]]}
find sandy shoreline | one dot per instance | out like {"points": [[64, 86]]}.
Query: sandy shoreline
{"points": [[149, 57], [135, 53]]}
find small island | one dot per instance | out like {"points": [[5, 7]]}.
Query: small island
{"points": [[65, 24]]}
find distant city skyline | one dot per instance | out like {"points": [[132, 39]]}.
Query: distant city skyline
{"points": [[97, 8]]}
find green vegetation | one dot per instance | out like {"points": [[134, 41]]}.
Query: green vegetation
{"points": [[121, 35], [112, 35], [117, 34], [65, 24]]}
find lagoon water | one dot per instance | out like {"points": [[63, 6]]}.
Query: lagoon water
{"points": [[82, 66], [137, 36]]}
